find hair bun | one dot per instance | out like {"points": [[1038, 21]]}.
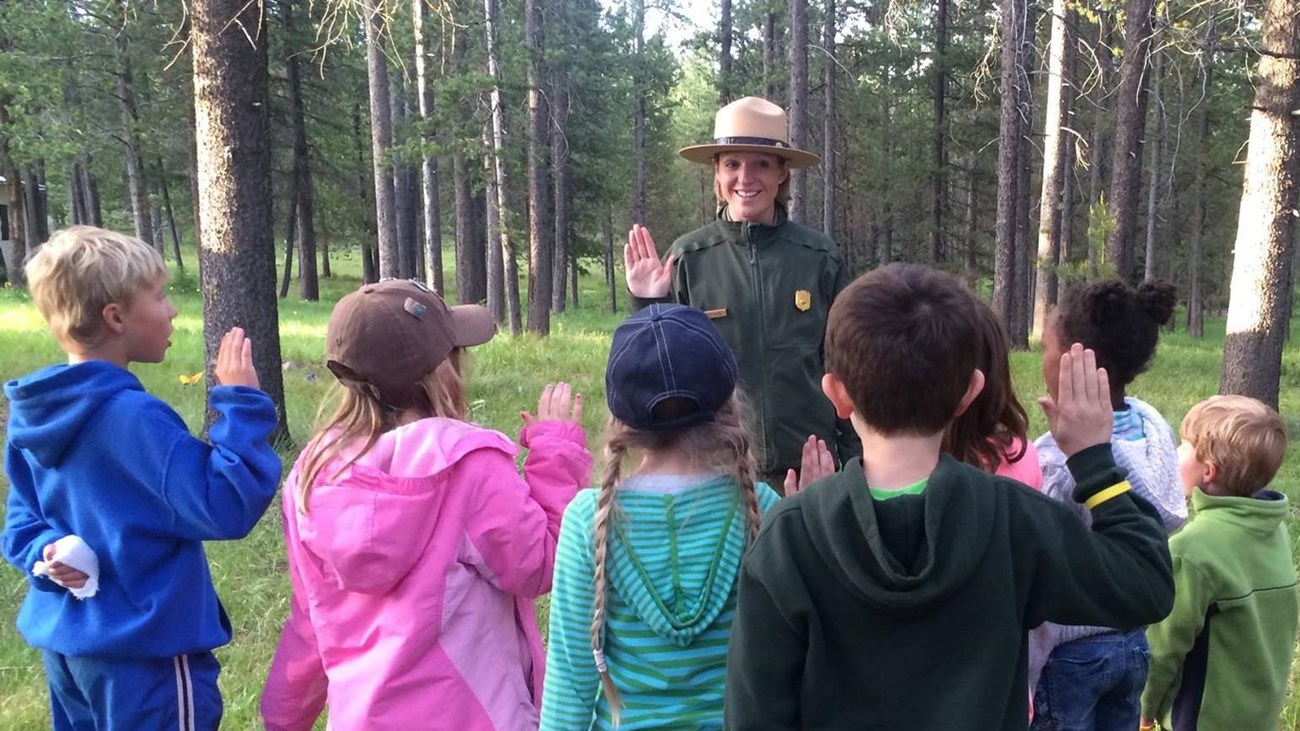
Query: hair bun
{"points": [[1107, 301], [1157, 298]]}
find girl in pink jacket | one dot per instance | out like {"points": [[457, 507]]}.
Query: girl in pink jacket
{"points": [[415, 549]]}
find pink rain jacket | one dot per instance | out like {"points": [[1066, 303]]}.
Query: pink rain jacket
{"points": [[414, 575]]}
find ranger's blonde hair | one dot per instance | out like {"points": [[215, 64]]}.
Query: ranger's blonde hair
{"points": [[83, 269]]}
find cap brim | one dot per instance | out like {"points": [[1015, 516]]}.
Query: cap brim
{"points": [[704, 154], [471, 325]]}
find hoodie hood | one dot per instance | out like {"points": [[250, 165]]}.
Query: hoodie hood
{"points": [[50, 407], [370, 525], [906, 555], [694, 539]]}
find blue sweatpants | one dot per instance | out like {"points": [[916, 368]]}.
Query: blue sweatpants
{"points": [[134, 694]]}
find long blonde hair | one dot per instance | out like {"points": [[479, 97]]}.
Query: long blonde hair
{"points": [[721, 442], [362, 416]]}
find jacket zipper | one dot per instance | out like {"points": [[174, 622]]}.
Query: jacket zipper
{"points": [[756, 289]]}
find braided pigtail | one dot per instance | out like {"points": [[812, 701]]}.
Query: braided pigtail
{"points": [[615, 451], [744, 465]]}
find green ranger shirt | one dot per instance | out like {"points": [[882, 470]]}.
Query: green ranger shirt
{"points": [[768, 290]]}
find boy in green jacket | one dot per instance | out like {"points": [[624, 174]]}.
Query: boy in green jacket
{"points": [[1222, 657], [898, 592]]}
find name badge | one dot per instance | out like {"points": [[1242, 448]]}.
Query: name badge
{"points": [[716, 314], [802, 300]]}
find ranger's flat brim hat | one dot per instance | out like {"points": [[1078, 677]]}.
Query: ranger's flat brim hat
{"points": [[751, 124]]}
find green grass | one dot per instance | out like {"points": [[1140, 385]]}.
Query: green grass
{"points": [[505, 376]]}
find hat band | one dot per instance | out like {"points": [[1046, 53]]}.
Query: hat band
{"points": [[766, 141]]}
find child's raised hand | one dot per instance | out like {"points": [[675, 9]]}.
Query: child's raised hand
{"points": [[815, 463], [1081, 416], [61, 573], [235, 360], [557, 403]]}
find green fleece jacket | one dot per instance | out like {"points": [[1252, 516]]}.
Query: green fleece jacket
{"points": [[912, 612], [1222, 657], [768, 289]]}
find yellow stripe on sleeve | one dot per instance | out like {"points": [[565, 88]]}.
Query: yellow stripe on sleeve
{"points": [[1107, 494]]}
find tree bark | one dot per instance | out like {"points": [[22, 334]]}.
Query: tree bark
{"points": [[1261, 268], [290, 236], [1195, 302], [938, 175], [769, 56], [381, 141], [1098, 219], [405, 216], [1014, 21], [830, 166], [192, 169], [639, 113], [502, 181], [561, 162], [237, 252], [137, 185], [473, 242], [1054, 144], [798, 103], [541, 231], [1130, 121], [429, 160], [171, 215], [496, 277]]}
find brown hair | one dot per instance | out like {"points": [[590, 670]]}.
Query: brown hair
{"points": [[361, 416], [722, 442], [988, 430], [1243, 437], [903, 341]]}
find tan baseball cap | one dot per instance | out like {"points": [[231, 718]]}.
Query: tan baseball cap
{"points": [[391, 334]]}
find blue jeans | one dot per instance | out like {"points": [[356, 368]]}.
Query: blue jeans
{"points": [[1093, 684]]}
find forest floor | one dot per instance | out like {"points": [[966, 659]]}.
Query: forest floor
{"points": [[505, 376]]}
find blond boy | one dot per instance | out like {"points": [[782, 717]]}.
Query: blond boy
{"points": [[110, 496], [1221, 659]]}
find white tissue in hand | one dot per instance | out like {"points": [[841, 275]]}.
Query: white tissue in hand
{"points": [[74, 552]]}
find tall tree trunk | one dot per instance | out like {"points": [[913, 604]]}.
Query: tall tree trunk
{"points": [[429, 160], [381, 141], [304, 203], [237, 252], [541, 244], [798, 103], [560, 160], [724, 53], [611, 273], [830, 166], [1261, 266], [473, 242], [639, 114], [76, 201], [192, 169], [511, 267], [137, 185], [171, 215], [32, 207], [17, 229], [1022, 296], [1130, 121], [1099, 160], [938, 175], [496, 276], [1150, 266], [404, 215], [1050, 200], [290, 236], [770, 54], [1195, 302], [1014, 22], [369, 267]]}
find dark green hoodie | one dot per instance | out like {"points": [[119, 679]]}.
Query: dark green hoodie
{"points": [[912, 612]]}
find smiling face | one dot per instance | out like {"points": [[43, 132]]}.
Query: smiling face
{"points": [[147, 323], [748, 182]]}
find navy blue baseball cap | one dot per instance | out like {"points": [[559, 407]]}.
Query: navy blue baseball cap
{"points": [[668, 352]]}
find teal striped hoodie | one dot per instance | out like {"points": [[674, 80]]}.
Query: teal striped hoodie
{"points": [[674, 555]]}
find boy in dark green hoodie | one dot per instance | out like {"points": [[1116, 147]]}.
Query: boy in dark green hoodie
{"points": [[1222, 657], [897, 593]]}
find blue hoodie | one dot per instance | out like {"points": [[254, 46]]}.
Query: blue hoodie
{"points": [[91, 453]]}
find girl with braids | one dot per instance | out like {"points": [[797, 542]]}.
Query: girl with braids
{"points": [[645, 576], [993, 432], [1093, 676], [415, 549]]}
